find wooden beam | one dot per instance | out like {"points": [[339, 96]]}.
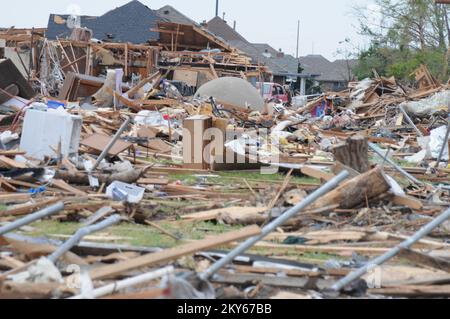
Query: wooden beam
{"points": [[409, 202], [10, 163], [413, 291], [166, 31], [59, 183], [173, 253], [316, 173], [425, 260], [21, 210]]}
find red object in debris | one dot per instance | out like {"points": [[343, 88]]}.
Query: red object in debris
{"points": [[273, 91], [166, 117]]}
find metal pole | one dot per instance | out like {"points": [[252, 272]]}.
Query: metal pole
{"points": [[298, 39], [51, 210], [410, 121], [217, 8], [445, 144], [82, 232], [112, 288], [389, 255], [111, 144], [379, 152], [275, 224]]}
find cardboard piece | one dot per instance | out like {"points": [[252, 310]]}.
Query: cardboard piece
{"points": [[99, 142]]}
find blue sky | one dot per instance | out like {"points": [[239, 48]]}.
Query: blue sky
{"points": [[324, 23]]}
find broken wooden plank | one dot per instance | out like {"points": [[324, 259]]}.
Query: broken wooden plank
{"points": [[317, 173], [7, 186], [59, 183], [413, 291], [11, 153], [425, 260], [153, 181], [173, 253], [292, 272], [10, 163], [25, 209], [274, 281], [14, 198], [409, 202], [215, 213]]}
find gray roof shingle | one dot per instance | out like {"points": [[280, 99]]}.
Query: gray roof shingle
{"points": [[336, 71], [173, 15], [129, 23], [220, 28]]}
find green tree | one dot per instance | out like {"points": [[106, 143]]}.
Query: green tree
{"points": [[405, 34]]}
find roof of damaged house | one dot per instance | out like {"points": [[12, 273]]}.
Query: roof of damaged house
{"points": [[337, 71], [220, 28], [191, 37], [279, 63], [171, 14], [131, 22]]}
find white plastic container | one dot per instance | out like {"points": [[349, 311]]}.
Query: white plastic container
{"points": [[125, 192], [43, 131]]}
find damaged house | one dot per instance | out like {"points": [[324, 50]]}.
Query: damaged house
{"points": [[134, 190], [330, 76], [333, 76], [131, 23]]}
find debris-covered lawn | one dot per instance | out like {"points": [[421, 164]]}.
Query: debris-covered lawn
{"points": [[117, 182]]}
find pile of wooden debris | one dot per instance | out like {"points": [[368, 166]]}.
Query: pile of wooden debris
{"points": [[358, 174]]}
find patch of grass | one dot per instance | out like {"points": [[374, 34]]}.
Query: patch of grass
{"points": [[137, 235], [291, 253], [233, 177], [3, 207], [256, 176]]}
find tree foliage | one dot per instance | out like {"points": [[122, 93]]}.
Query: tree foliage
{"points": [[404, 34]]}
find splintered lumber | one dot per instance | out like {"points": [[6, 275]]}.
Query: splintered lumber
{"points": [[331, 249], [142, 83], [10, 163], [25, 209], [12, 153], [278, 222], [316, 173], [66, 187], [409, 202], [215, 213], [13, 198], [37, 250], [425, 260], [15, 290], [129, 177], [291, 272], [274, 281], [424, 231], [413, 291], [354, 153], [153, 181], [356, 191], [173, 253], [143, 295]]}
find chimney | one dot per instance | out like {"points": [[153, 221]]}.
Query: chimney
{"points": [[223, 17], [217, 8], [280, 54], [234, 25]]}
